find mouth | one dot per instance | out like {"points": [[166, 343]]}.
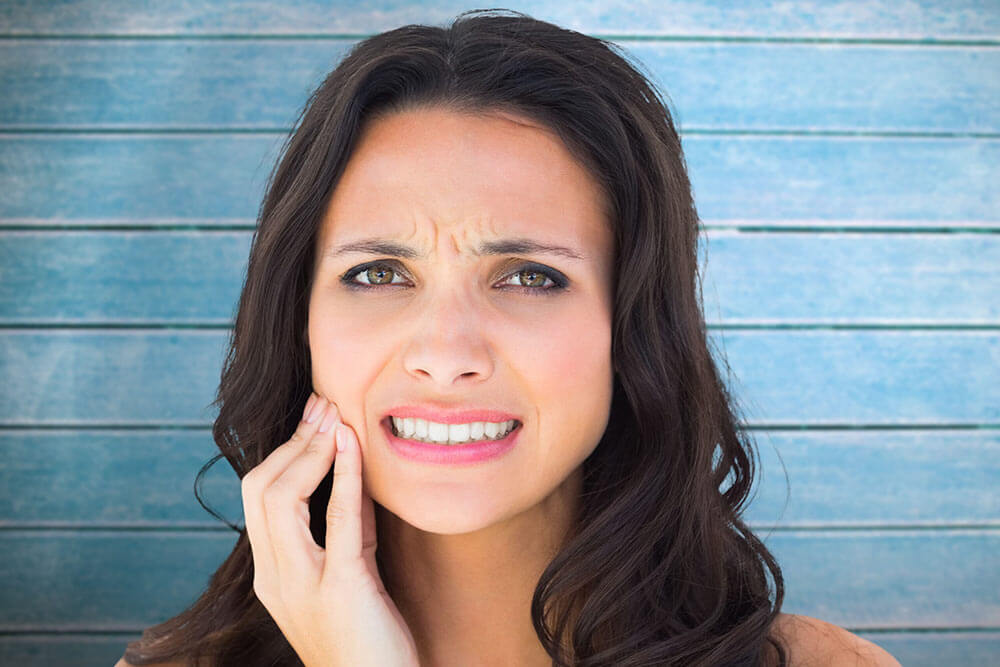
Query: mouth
{"points": [[443, 435]]}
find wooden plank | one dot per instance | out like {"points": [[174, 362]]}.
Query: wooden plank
{"points": [[886, 579], [93, 478], [108, 478], [125, 277], [122, 581], [933, 649], [42, 650], [849, 278], [913, 649], [875, 477], [92, 277], [715, 86], [135, 178], [795, 377], [105, 581], [884, 19]]}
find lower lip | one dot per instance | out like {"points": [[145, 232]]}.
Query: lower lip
{"points": [[473, 452]]}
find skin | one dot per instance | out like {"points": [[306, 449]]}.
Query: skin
{"points": [[473, 539], [459, 329]]}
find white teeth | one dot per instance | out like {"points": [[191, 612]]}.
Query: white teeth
{"points": [[450, 434]]}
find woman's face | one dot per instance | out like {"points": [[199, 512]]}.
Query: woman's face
{"points": [[452, 329]]}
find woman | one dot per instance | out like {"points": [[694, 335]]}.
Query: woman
{"points": [[469, 391]]}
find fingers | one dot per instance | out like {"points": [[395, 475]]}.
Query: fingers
{"points": [[256, 481], [287, 502], [343, 517], [278, 460]]}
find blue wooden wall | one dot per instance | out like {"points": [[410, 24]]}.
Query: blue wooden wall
{"points": [[846, 161]]}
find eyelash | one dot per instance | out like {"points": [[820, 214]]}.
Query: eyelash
{"points": [[559, 283]]}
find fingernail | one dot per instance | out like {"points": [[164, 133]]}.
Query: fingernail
{"points": [[309, 403], [339, 436], [329, 419], [317, 410]]}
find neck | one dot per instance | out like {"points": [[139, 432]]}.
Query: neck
{"points": [[467, 597]]}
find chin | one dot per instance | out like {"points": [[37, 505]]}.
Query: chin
{"points": [[449, 517]]}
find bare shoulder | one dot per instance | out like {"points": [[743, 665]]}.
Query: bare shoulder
{"points": [[811, 642]]}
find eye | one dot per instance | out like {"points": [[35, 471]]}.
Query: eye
{"points": [[532, 277], [372, 271]]}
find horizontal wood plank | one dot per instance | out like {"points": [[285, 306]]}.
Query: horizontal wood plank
{"points": [[73, 277], [125, 581], [94, 277], [874, 477], [849, 278], [933, 649], [108, 478], [44, 650], [90, 478], [886, 579], [112, 581], [719, 86], [913, 649], [882, 19], [817, 116], [49, 178], [805, 377]]}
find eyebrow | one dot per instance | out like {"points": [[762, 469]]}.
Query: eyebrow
{"points": [[516, 246]]}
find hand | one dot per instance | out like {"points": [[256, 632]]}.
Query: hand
{"points": [[330, 603]]}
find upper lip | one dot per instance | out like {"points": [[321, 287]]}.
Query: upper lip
{"points": [[451, 415]]}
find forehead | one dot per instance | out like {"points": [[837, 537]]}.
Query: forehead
{"points": [[471, 176]]}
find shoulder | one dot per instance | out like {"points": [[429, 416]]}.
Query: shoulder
{"points": [[811, 642]]}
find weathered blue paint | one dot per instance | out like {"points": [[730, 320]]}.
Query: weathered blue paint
{"points": [[783, 377], [829, 117], [103, 84], [185, 178], [886, 279]]}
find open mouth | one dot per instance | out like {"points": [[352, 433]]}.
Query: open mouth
{"points": [[446, 436]]}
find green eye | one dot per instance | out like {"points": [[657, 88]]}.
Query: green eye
{"points": [[372, 271]]}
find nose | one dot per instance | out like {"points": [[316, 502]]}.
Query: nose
{"points": [[449, 345]]}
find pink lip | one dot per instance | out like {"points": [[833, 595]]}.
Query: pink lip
{"points": [[474, 452], [442, 416]]}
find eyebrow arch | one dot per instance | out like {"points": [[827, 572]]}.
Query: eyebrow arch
{"points": [[516, 246]]}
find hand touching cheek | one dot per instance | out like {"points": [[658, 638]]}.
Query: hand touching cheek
{"points": [[330, 603]]}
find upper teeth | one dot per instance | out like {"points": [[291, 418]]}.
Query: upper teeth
{"points": [[451, 434]]}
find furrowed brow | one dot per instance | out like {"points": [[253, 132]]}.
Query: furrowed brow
{"points": [[519, 246]]}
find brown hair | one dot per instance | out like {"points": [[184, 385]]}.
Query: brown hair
{"points": [[660, 569]]}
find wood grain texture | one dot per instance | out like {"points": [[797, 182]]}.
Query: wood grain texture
{"points": [[793, 378], [808, 479], [75, 179], [215, 84], [844, 19], [844, 156], [104, 277], [860, 579], [927, 648]]}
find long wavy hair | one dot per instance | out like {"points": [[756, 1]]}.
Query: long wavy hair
{"points": [[660, 569]]}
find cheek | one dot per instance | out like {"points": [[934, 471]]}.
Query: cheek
{"points": [[577, 351], [571, 379], [343, 359], [340, 336]]}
